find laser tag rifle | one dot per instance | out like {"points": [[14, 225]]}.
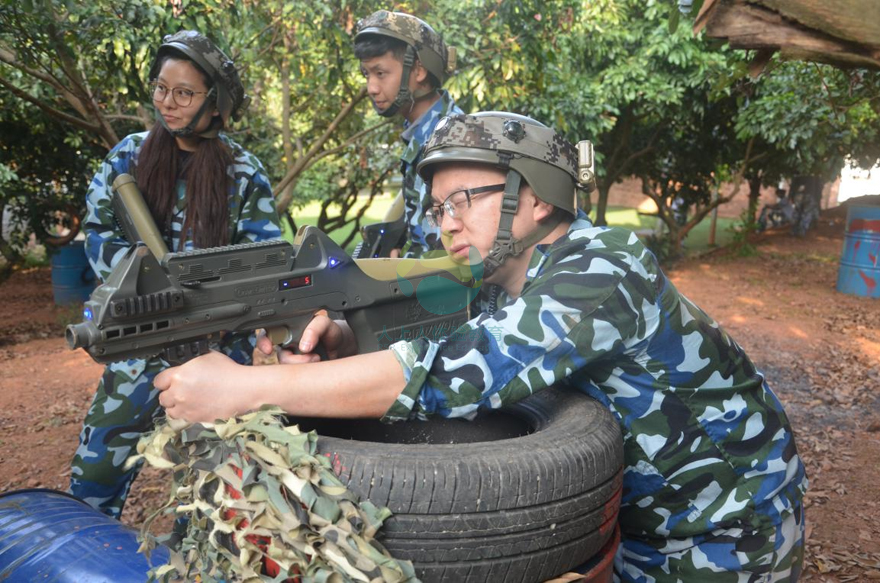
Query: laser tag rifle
{"points": [[176, 304], [381, 238]]}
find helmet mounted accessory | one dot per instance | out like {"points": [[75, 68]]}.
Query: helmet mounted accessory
{"points": [[423, 44], [226, 91]]}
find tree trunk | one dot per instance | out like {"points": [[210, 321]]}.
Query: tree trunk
{"points": [[602, 203], [754, 199], [12, 258]]}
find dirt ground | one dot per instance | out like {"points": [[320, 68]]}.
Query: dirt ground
{"points": [[820, 350]]}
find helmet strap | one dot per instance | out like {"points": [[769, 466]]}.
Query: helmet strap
{"points": [[189, 130], [506, 245], [404, 95]]}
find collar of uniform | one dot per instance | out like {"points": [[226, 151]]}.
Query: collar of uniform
{"points": [[422, 127], [543, 250]]}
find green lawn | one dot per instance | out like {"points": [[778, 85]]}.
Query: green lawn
{"points": [[696, 242], [308, 215]]}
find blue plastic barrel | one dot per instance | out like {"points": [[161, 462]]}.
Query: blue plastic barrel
{"points": [[72, 276], [46, 535], [859, 272]]}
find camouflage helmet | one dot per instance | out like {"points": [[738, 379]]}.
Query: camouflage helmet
{"points": [[430, 49], [546, 160], [229, 91]]}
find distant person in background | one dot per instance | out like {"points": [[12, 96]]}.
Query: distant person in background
{"points": [[405, 63], [806, 196], [203, 190], [776, 215]]}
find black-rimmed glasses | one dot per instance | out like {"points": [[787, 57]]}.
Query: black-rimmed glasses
{"points": [[452, 203], [182, 97]]}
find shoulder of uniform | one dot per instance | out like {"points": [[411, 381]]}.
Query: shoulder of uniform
{"points": [[586, 242], [129, 143], [243, 159]]}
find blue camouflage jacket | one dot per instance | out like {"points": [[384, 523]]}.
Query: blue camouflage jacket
{"points": [[422, 236], [707, 445]]}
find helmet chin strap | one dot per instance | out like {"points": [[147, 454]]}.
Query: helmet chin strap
{"points": [[505, 244], [189, 130], [404, 94]]}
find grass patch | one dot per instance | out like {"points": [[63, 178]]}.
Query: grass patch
{"points": [[696, 242], [815, 257], [308, 215]]}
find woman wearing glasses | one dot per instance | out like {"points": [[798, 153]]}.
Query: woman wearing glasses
{"points": [[203, 190]]}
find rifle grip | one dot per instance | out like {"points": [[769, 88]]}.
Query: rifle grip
{"points": [[281, 337]]}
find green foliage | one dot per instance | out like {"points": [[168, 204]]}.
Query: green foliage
{"points": [[43, 176], [742, 233], [813, 116], [656, 101]]}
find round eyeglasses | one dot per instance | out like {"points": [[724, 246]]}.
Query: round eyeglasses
{"points": [[182, 97], [452, 203]]}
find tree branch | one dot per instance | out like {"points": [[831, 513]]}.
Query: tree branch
{"points": [[737, 184], [85, 97], [122, 116], [8, 57], [60, 115], [284, 201], [638, 154], [352, 140]]}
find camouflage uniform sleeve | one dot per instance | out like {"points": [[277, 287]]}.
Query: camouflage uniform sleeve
{"points": [[258, 219], [105, 243], [578, 311]]}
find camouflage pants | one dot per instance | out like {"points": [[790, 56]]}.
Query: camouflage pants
{"points": [[774, 555], [125, 407]]}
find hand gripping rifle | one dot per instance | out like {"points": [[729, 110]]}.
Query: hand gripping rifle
{"points": [[175, 304]]}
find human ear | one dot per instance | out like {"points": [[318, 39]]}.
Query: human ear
{"points": [[419, 74], [540, 209]]}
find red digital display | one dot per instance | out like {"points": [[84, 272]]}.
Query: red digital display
{"points": [[295, 282]]}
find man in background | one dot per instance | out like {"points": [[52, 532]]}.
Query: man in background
{"points": [[405, 63]]}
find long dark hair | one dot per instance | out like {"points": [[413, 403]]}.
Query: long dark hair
{"points": [[159, 167]]}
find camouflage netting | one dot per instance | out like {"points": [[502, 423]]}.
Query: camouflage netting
{"points": [[255, 495]]}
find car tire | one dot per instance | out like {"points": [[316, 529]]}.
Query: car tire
{"points": [[519, 494]]}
